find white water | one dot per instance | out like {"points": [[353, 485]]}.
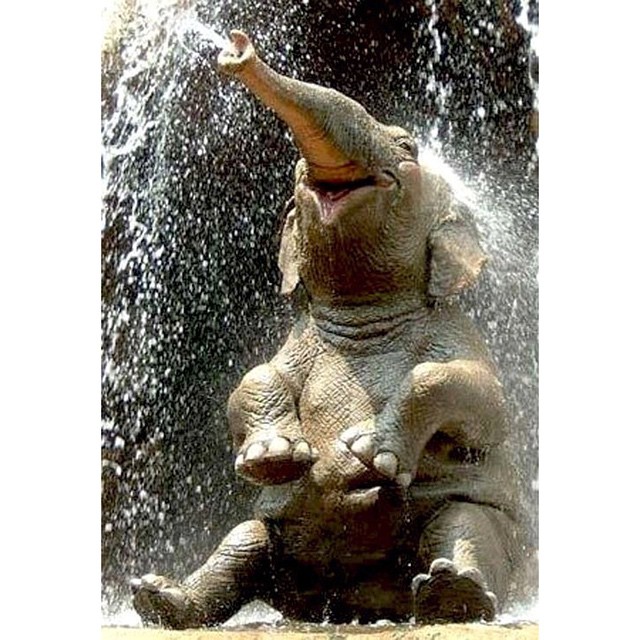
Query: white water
{"points": [[197, 38], [260, 613]]}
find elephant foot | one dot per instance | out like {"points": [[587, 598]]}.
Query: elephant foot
{"points": [[449, 595], [158, 600], [365, 444], [274, 460]]}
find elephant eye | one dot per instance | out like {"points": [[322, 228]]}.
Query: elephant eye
{"points": [[408, 145]]}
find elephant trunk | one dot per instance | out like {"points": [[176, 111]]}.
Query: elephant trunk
{"points": [[339, 140]]}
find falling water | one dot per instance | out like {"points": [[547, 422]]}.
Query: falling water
{"points": [[195, 177]]}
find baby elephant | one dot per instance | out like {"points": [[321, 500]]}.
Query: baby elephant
{"points": [[377, 431]]}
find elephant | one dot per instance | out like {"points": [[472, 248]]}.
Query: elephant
{"points": [[377, 433]]}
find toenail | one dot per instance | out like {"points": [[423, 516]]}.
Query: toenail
{"points": [[301, 452], [442, 565], [279, 445], [255, 451], [386, 463]]}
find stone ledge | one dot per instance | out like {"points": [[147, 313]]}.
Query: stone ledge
{"points": [[525, 631]]}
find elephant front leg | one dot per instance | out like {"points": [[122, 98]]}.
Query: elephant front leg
{"points": [[462, 398], [270, 448], [470, 551], [236, 573]]}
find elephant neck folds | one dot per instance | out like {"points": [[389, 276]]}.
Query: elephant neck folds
{"points": [[366, 321]]}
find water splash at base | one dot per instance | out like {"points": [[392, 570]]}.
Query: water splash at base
{"points": [[258, 613]]}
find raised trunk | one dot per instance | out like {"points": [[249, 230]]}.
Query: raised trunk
{"points": [[339, 140]]}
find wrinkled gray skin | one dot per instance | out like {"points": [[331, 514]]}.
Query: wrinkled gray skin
{"points": [[377, 429]]}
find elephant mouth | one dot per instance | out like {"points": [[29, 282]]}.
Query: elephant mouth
{"points": [[333, 198]]}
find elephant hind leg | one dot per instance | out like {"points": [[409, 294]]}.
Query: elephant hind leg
{"points": [[236, 573], [470, 551]]}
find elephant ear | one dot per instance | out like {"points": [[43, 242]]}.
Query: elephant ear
{"points": [[289, 256], [456, 257]]}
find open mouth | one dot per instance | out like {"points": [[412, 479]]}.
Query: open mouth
{"points": [[332, 196]]}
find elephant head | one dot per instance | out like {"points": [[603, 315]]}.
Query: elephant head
{"points": [[370, 222]]}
